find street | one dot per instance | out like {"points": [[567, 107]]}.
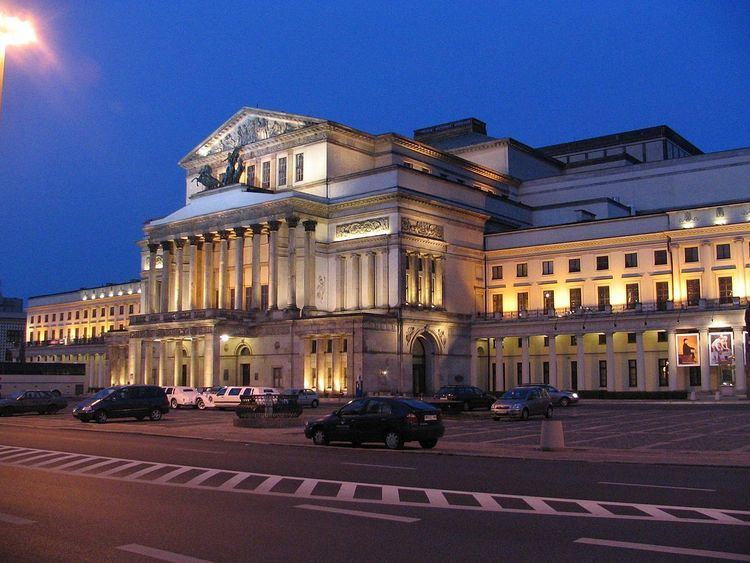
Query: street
{"points": [[73, 494]]}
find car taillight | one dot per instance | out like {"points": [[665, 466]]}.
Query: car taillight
{"points": [[411, 418]]}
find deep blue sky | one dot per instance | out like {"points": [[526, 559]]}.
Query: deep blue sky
{"points": [[95, 119]]}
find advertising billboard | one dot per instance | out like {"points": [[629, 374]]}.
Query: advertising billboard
{"points": [[721, 348], [688, 350]]}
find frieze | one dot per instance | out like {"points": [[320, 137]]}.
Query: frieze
{"points": [[368, 227], [422, 228], [253, 130]]}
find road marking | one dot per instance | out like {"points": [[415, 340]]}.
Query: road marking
{"points": [[160, 554], [382, 466], [375, 515], [665, 549], [9, 519], [656, 486]]}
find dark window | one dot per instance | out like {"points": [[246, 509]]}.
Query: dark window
{"points": [[329, 346], [78, 315], [691, 254], [545, 372], [694, 374], [662, 295], [54, 317], [663, 372], [602, 262], [723, 252], [122, 309], [725, 289], [522, 270], [282, 171], [520, 341], [574, 265], [130, 309], [693, 292], [344, 345], [631, 338], [602, 297], [632, 373], [576, 301], [602, 373], [573, 340], [265, 178], [102, 312], [546, 341], [631, 295], [660, 257], [46, 318], [69, 313], [111, 311], [602, 340], [313, 346], [548, 267], [631, 260], [661, 336], [85, 314], [497, 272], [519, 373], [93, 313], [523, 301], [299, 167]]}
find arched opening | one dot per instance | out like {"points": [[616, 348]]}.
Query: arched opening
{"points": [[244, 365]]}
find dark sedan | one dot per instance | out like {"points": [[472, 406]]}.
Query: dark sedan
{"points": [[468, 396], [379, 419], [42, 402]]}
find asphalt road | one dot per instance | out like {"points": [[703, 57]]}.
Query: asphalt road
{"points": [[70, 495]]}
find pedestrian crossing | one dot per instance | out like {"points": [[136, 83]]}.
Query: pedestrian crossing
{"points": [[186, 476]]}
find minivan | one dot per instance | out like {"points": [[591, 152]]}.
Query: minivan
{"points": [[122, 401]]}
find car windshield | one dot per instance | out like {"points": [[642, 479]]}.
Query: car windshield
{"points": [[15, 395], [446, 390], [516, 394], [103, 393], [419, 405]]}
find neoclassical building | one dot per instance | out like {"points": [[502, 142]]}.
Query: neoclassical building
{"points": [[309, 253]]}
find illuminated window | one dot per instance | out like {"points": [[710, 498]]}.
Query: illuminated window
{"points": [[602, 262], [631, 295], [523, 301], [662, 295], [660, 257], [691, 254], [299, 167], [576, 300], [574, 265], [723, 252], [497, 303], [693, 290], [725, 289], [631, 260], [549, 300], [282, 171], [602, 297]]}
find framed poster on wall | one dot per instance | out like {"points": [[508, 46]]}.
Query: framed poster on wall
{"points": [[721, 348], [688, 350]]}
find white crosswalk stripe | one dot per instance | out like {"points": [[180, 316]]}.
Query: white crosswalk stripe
{"points": [[347, 491]]}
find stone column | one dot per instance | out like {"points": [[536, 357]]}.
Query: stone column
{"points": [[338, 385], [177, 362], [356, 282], [499, 362], [310, 250], [162, 363], [705, 367], [553, 360], [273, 264], [413, 283], [166, 247], [194, 381], [707, 261], [208, 270], [581, 362], [320, 364], [212, 360], [340, 283], [611, 372], [672, 354], [427, 297], [525, 371], [239, 267], [740, 378], [152, 304], [368, 279], [739, 251], [223, 247], [292, 223], [640, 362], [474, 367], [195, 246], [677, 289], [178, 264], [257, 231], [148, 353]]}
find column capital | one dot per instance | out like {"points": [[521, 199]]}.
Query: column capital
{"points": [[274, 225], [179, 242], [224, 234], [153, 247], [309, 225], [739, 239], [194, 239], [239, 232], [166, 245], [256, 228], [208, 237], [292, 221]]}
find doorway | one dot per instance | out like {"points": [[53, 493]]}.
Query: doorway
{"points": [[418, 368], [184, 376], [245, 374]]}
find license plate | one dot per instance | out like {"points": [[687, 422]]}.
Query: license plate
{"points": [[430, 417]]}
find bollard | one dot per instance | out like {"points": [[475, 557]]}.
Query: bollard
{"points": [[552, 436], [693, 396]]}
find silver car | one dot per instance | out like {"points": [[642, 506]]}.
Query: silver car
{"points": [[305, 397], [558, 396], [522, 402]]}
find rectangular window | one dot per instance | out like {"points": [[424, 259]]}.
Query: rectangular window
{"points": [[54, 317], [661, 336], [632, 297], [573, 340], [663, 372], [299, 167], [548, 267], [523, 302], [111, 311], [277, 378], [281, 172], [693, 288], [122, 309], [602, 262], [130, 309], [313, 346], [602, 340], [546, 341], [574, 265], [46, 318], [519, 373], [250, 175], [265, 179], [694, 374], [632, 373], [602, 297], [549, 300], [497, 272], [576, 300], [691, 254], [631, 260], [85, 314], [69, 314], [497, 303], [631, 338], [545, 372], [723, 252], [725, 289], [662, 295], [602, 373], [93, 313], [264, 297], [78, 315], [660, 257], [522, 270]]}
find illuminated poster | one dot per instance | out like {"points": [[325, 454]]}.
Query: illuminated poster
{"points": [[721, 348], [688, 351]]}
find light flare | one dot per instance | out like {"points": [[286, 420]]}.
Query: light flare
{"points": [[15, 31]]}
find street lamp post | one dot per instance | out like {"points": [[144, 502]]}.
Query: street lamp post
{"points": [[13, 31]]}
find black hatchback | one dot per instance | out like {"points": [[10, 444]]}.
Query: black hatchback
{"points": [[469, 396], [138, 401], [379, 419]]}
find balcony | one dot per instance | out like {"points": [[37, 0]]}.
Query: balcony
{"points": [[193, 315]]}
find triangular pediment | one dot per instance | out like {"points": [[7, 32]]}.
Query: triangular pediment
{"points": [[247, 126]]}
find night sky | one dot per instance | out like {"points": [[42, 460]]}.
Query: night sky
{"points": [[96, 116]]}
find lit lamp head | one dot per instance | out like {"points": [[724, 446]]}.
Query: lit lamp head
{"points": [[15, 31]]}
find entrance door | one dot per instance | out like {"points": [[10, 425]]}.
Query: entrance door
{"points": [[184, 375], [574, 375], [418, 368], [245, 375]]}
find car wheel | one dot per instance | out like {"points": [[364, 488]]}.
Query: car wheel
{"points": [[101, 417], [320, 438], [525, 414], [428, 444], [467, 406], [393, 440], [564, 402], [200, 404], [173, 403], [548, 412], [314, 404], [155, 414], [140, 417]]}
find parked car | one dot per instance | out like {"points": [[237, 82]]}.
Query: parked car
{"points": [[471, 397], [42, 402], [205, 396], [138, 401], [523, 402], [558, 397], [229, 397], [181, 396], [379, 419], [305, 397]]}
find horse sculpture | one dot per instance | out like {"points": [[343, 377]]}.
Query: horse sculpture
{"points": [[206, 178]]}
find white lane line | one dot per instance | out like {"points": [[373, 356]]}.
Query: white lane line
{"points": [[666, 549], [380, 466], [8, 519], [656, 486], [375, 515], [160, 554]]}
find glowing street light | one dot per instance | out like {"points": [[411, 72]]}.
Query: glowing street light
{"points": [[13, 31]]}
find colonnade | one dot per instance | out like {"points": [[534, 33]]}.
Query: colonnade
{"points": [[424, 279], [328, 369], [149, 360]]}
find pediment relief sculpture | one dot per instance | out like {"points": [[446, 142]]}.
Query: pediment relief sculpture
{"points": [[250, 130]]}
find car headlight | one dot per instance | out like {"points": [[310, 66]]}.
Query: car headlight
{"points": [[87, 408], [516, 406], [575, 395]]}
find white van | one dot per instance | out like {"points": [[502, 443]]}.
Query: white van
{"points": [[229, 397]]}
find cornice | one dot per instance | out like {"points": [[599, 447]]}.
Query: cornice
{"points": [[609, 242]]}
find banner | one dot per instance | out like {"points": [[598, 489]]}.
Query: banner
{"points": [[688, 350], [721, 348]]}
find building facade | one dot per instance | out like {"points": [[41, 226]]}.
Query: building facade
{"points": [[312, 254]]}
